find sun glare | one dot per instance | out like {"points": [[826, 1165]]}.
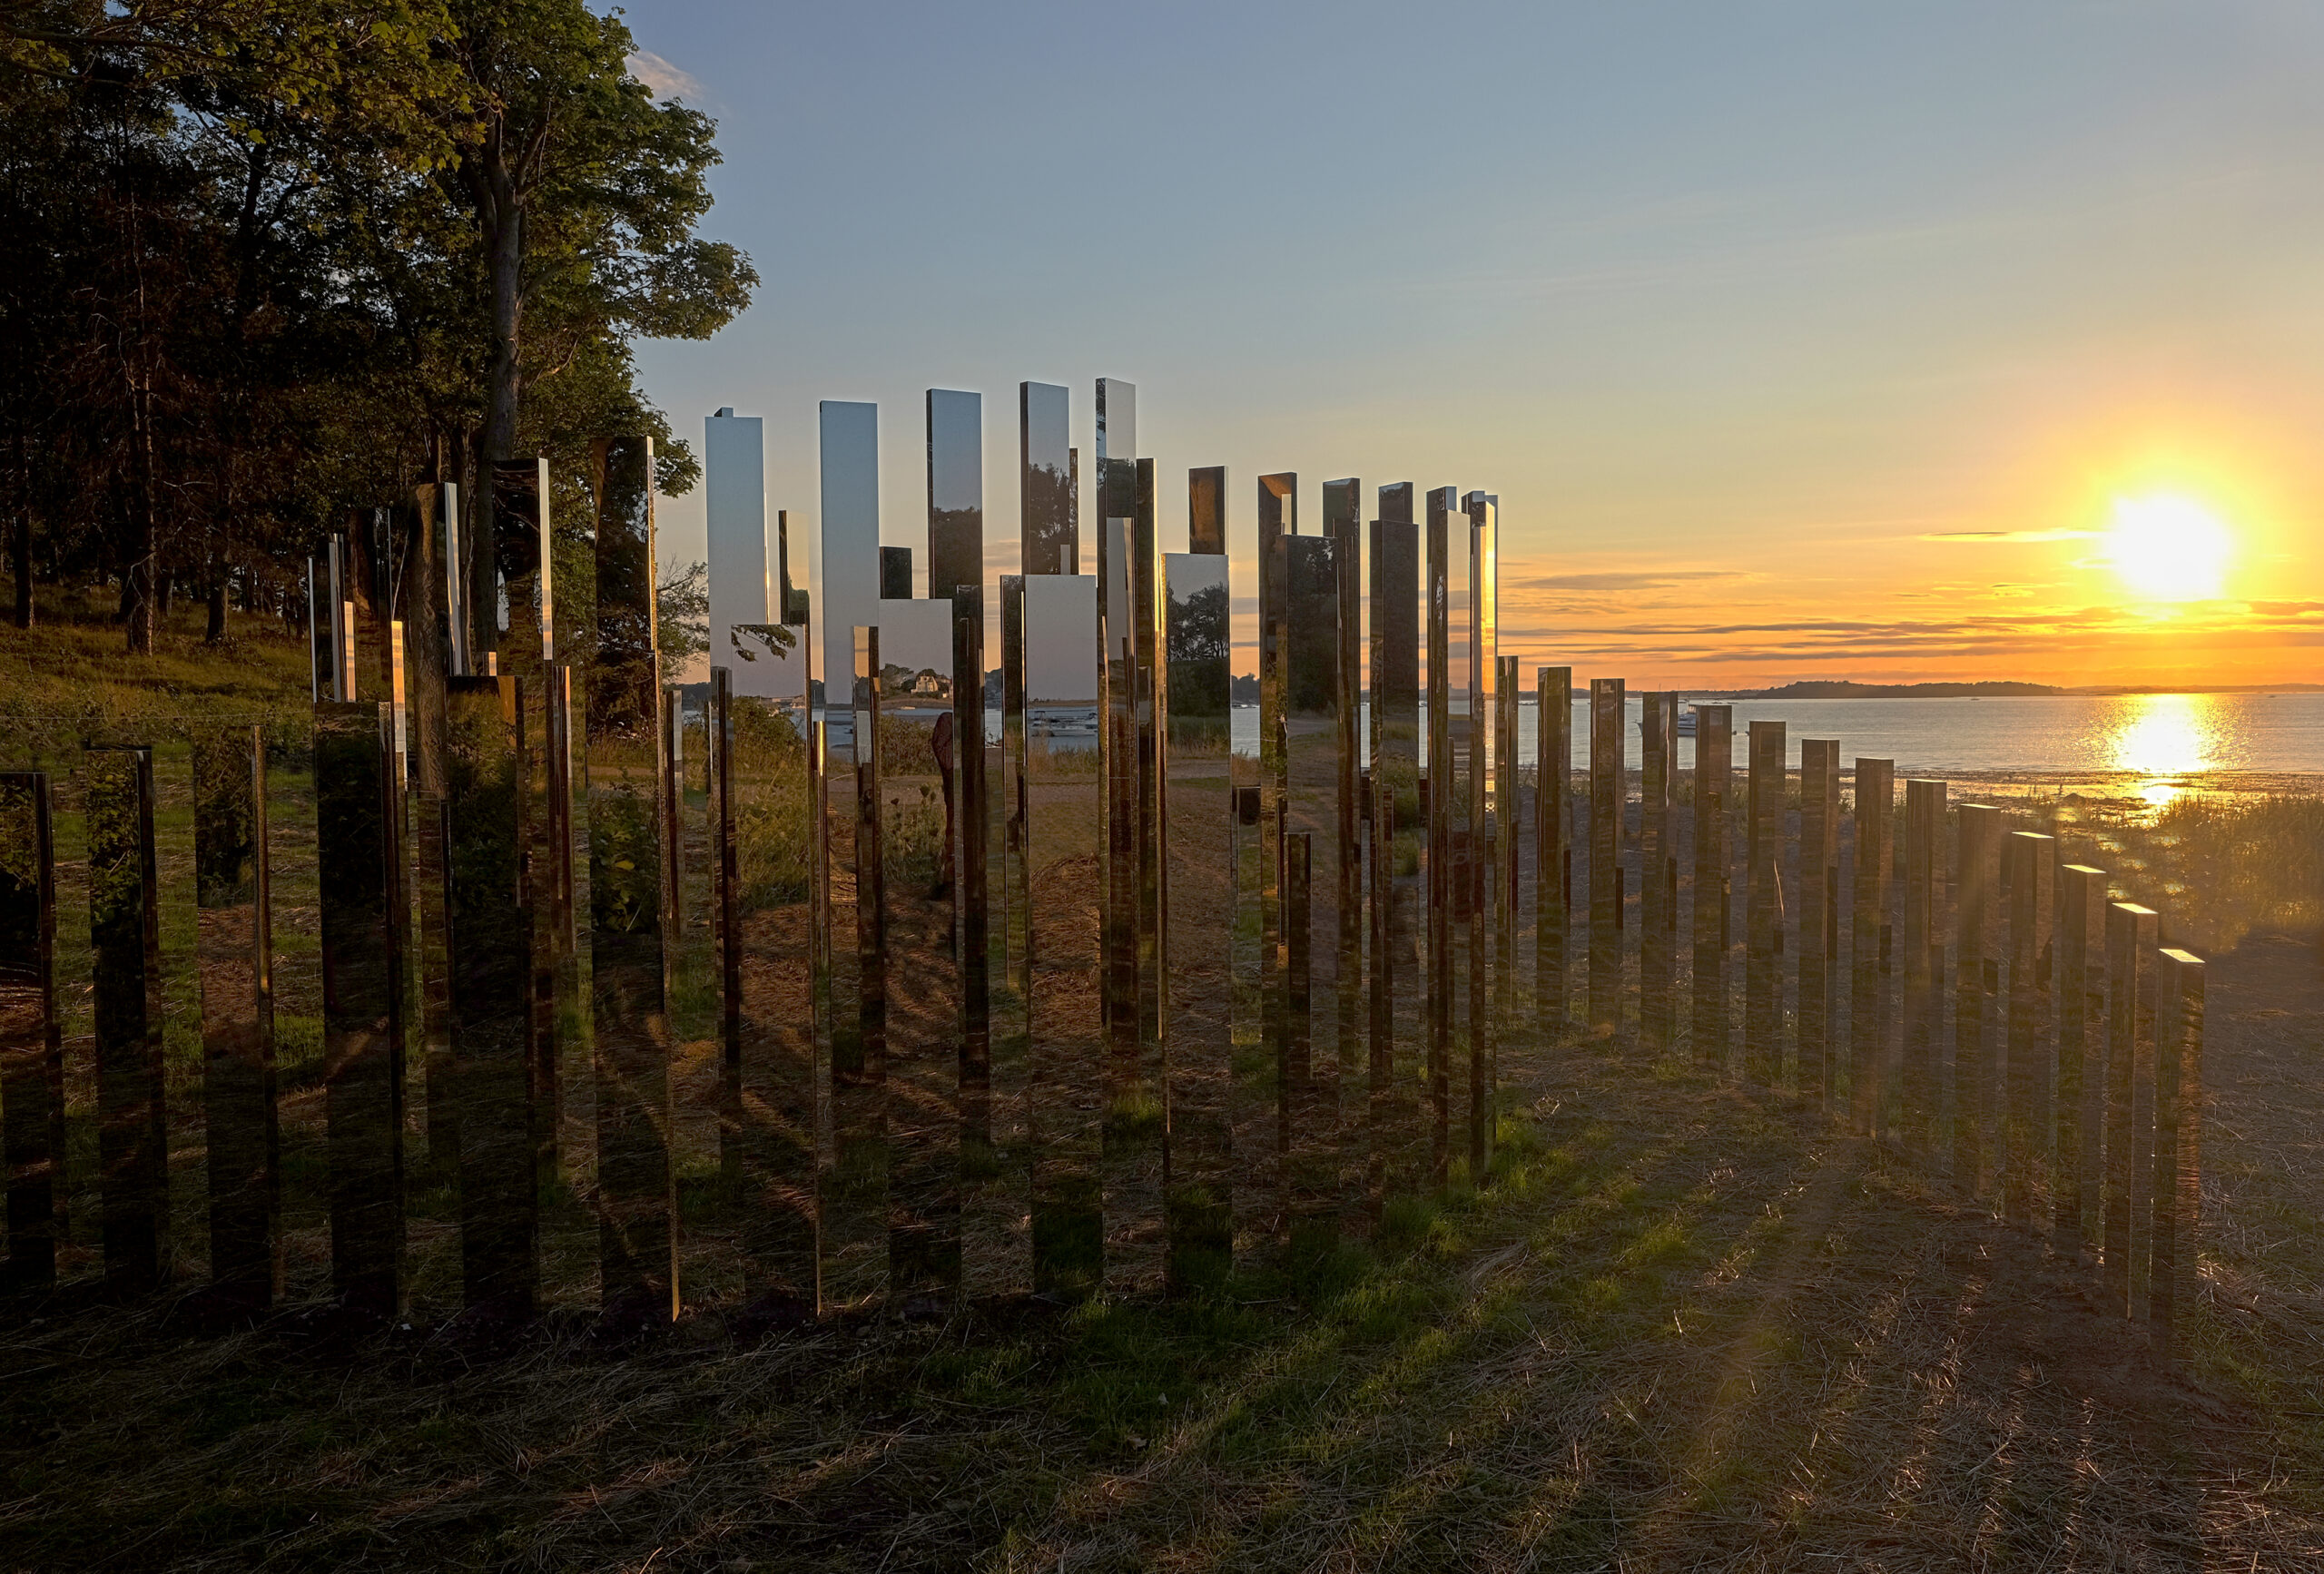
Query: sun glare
{"points": [[2167, 547]]}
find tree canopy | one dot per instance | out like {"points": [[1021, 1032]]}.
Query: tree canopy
{"points": [[262, 261]]}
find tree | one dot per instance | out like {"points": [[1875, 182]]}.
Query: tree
{"points": [[586, 194]]}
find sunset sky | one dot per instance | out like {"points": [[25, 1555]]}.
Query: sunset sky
{"points": [[1798, 340]]}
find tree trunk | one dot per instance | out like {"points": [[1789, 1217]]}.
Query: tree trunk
{"points": [[214, 631]]}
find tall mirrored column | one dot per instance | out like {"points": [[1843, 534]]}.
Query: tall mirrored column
{"points": [[1508, 838], [1312, 785], [1278, 510], [914, 771], [1342, 504], [31, 1056], [1480, 748], [1714, 791], [630, 911], [853, 1183], [1819, 912], [1146, 594], [1198, 917], [1399, 834], [1763, 1003], [1657, 893], [2081, 1044], [1607, 774], [955, 492], [236, 950], [1869, 940], [2172, 1267], [1437, 798], [1055, 649], [487, 899], [1045, 480], [2129, 1064], [357, 822], [1552, 849]]}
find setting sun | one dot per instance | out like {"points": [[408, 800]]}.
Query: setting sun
{"points": [[2167, 547]]}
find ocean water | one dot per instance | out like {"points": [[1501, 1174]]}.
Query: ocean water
{"points": [[2158, 739]]}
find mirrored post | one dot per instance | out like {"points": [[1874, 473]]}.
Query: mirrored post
{"points": [[1198, 917], [1473, 736], [2082, 1049], [1876, 786], [631, 917], [2172, 1270], [355, 845], [1819, 906], [1763, 960], [2130, 1050], [955, 492], [1552, 849], [1314, 784], [1437, 796], [1342, 506], [1146, 621], [1064, 838], [1278, 519], [1977, 840], [487, 901], [1045, 479], [1398, 835], [1923, 952], [1508, 838], [126, 989], [856, 1245], [1607, 774], [2025, 1146], [31, 1056], [912, 771], [234, 944], [1658, 729]]}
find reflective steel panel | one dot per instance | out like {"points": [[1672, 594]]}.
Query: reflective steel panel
{"points": [[2081, 1050], [1605, 795], [1924, 962], [1763, 1001], [487, 897], [1868, 1018], [849, 440], [1819, 912], [1342, 507], [733, 465], [855, 1180], [955, 492], [2172, 1270], [1977, 981], [1045, 479], [1552, 849], [2033, 1044], [1133, 1130], [1398, 839], [358, 824], [916, 766], [1059, 656], [1714, 795], [1437, 797], [1657, 867], [1316, 794], [31, 1056], [631, 918], [235, 947], [126, 990], [1278, 503], [2129, 1110], [1197, 831], [1508, 835]]}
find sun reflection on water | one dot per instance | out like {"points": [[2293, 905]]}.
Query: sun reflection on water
{"points": [[2164, 737]]}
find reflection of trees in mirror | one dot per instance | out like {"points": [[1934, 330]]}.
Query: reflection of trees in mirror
{"points": [[1199, 644], [223, 853], [751, 640], [625, 867], [682, 610], [773, 827]]}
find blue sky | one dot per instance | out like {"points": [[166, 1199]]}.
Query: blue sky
{"points": [[1742, 310]]}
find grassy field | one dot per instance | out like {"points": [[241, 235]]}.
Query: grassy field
{"points": [[1683, 1327]]}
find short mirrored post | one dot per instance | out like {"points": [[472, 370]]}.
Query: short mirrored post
{"points": [[631, 917], [1553, 849], [1605, 795], [1057, 654], [1198, 917], [1658, 937], [355, 823], [1714, 794], [1819, 912], [1278, 510], [1313, 787], [1045, 477], [32, 1057], [2178, 1144], [1510, 820], [1437, 798], [1763, 957], [1868, 964], [2082, 1049], [1977, 840], [1343, 507], [235, 947], [2033, 1044], [126, 986], [487, 901], [2129, 1064]]}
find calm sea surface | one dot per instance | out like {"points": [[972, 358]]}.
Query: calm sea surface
{"points": [[2159, 737]]}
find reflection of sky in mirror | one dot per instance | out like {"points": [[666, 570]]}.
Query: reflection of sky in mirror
{"points": [[1061, 638]]}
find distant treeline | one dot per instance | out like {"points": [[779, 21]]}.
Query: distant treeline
{"points": [[261, 264]]}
